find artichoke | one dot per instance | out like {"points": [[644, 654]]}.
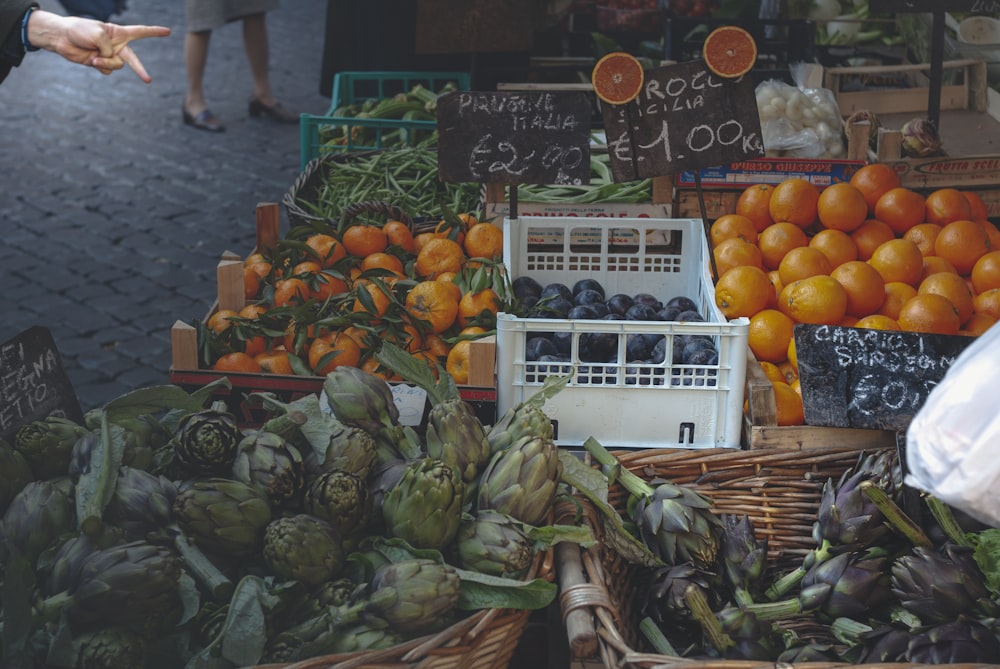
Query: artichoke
{"points": [[522, 481], [456, 436], [351, 449], [336, 593], [753, 639], [425, 506], [206, 441], [142, 503], [343, 500], [413, 595], [524, 420], [47, 445], [360, 399], [37, 516], [223, 516], [63, 569], [14, 474], [675, 522], [938, 586], [303, 548], [268, 462], [496, 544], [956, 642], [846, 516], [664, 597], [110, 648], [744, 558], [887, 643]]}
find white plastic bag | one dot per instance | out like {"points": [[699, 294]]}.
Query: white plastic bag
{"points": [[953, 443]]}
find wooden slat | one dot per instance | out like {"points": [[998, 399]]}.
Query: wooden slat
{"points": [[183, 346]]}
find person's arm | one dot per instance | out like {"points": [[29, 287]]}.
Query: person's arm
{"points": [[11, 47]]}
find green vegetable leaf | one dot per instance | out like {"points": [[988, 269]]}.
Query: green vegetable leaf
{"points": [[550, 535], [986, 551], [159, 398], [482, 591], [418, 373], [97, 485]]}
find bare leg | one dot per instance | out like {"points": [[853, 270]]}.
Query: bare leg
{"points": [[255, 43], [195, 59]]}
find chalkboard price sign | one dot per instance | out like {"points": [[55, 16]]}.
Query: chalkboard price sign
{"points": [[514, 137], [685, 117], [33, 384], [904, 6], [874, 379]]}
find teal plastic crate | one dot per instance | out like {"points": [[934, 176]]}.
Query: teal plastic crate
{"points": [[366, 134]]}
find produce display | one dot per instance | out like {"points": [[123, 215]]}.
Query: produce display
{"points": [[161, 534], [878, 585], [867, 253]]}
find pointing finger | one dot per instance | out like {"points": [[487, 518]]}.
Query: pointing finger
{"points": [[141, 32], [127, 55]]}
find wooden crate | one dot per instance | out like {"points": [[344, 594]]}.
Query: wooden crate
{"points": [[761, 429]]}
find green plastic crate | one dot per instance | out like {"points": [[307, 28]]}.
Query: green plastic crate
{"points": [[354, 87]]}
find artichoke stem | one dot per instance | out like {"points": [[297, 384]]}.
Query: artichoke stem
{"points": [[784, 585], [654, 635], [631, 482], [207, 574], [50, 608], [777, 610], [896, 517], [702, 612], [946, 519], [742, 597]]}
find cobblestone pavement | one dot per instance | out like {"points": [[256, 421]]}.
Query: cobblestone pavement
{"points": [[113, 214]]}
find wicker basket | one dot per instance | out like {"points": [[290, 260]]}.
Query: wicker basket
{"points": [[778, 489], [486, 639]]}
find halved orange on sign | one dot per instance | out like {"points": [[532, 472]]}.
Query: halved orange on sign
{"points": [[617, 78], [729, 51]]}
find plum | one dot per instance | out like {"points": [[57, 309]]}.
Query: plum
{"points": [[553, 306], [682, 303], [690, 317], [536, 347], [693, 353], [640, 312], [619, 303], [582, 312], [598, 346], [558, 289], [525, 286], [647, 299], [640, 346], [588, 284], [659, 352], [563, 342], [601, 308], [588, 297], [667, 313]]}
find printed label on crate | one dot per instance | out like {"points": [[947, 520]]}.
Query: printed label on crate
{"points": [[745, 173], [948, 172], [873, 379], [499, 210]]}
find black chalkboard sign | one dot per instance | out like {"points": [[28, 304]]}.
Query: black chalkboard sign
{"points": [[533, 137], [33, 384], [685, 117], [986, 6], [874, 379]]}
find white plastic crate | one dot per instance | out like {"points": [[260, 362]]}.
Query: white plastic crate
{"points": [[624, 403]]}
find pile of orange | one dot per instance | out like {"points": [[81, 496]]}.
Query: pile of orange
{"points": [[866, 253], [324, 298]]}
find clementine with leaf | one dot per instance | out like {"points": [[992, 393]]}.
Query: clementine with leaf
{"points": [[475, 305], [383, 261], [439, 255], [398, 234], [332, 350], [434, 303], [364, 240], [371, 298], [290, 292], [457, 363], [274, 362], [237, 361], [484, 240], [221, 321], [327, 249]]}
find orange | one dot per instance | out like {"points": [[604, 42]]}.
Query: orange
{"points": [[775, 278], [978, 211], [255, 345], [836, 245], [992, 233], [384, 261], [788, 404], [870, 235], [472, 306], [457, 363], [325, 285], [801, 263], [259, 264], [253, 311], [729, 51], [962, 243], [398, 234], [448, 279], [934, 264], [898, 260], [873, 181], [791, 354], [436, 346], [742, 291], [371, 298], [220, 321], [364, 240], [434, 303], [306, 267], [769, 334], [754, 203], [290, 292], [409, 337], [359, 335], [252, 283], [331, 350], [778, 239], [455, 232], [728, 226], [847, 321], [945, 205], [818, 299], [986, 272], [371, 365], [923, 235], [897, 294], [929, 312], [274, 362], [877, 322], [797, 387], [327, 249], [484, 240], [772, 372], [987, 302], [794, 201], [864, 285], [841, 206], [617, 77], [978, 324], [736, 251], [789, 371], [952, 287], [900, 208], [237, 362], [439, 255]]}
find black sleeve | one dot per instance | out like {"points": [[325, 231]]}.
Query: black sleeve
{"points": [[11, 48]]}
